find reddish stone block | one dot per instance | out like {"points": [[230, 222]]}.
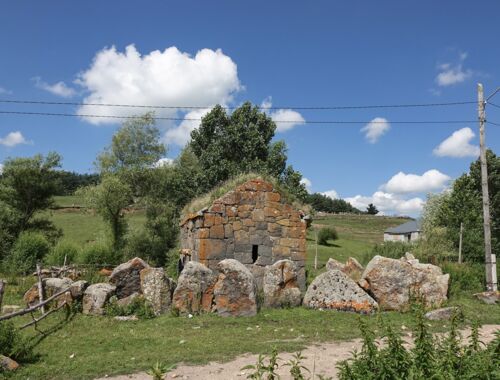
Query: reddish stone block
{"points": [[273, 197], [217, 232]]}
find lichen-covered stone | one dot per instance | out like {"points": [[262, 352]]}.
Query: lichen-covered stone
{"points": [[7, 364], [157, 289], [394, 283], [77, 289], [235, 290], [95, 298], [280, 285], [194, 290], [127, 277], [336, 291], [51, 286], [333, 264]]}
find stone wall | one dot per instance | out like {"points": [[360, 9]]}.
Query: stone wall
{"points": [[251, 224]]}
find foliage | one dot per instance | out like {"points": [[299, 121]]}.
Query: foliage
{"points": [[99, 252], [429, 359], [159, 370], [13, 344], [327, 233], [324, 203], [296, 367], [109, 199], [69, 182], [30, 248], [134, 150], [27, 187], [434, 246], [464, 278], [371, 209], [391, 249], [228, 145], [61, 251], [263, 371], [138, 307], [463, 204]]}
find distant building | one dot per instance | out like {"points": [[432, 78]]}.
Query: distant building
{"points": [[406, 232]]}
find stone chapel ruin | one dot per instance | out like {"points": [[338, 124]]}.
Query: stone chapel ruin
{"points": [[252, 224]]}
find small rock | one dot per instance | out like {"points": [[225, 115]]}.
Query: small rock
{"points": [[127, 301], [442, 314], [126, 318], [490, 298], [333, 264], [7, 364]]}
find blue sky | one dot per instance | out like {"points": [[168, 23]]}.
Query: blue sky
{"points": [[291, 53]]}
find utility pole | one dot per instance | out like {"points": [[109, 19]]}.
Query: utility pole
{"points": [[489, 257], [460, 244]]}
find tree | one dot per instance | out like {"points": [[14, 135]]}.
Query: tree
{"points": [[371, 209], [109, 199], [134, 150], [27, 187], [324, 203]]}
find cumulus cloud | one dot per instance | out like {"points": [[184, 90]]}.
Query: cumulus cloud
{"points": [[168, 77], [388, 203], [60, 88], [13, 138], [285, 119], [458, 145], [453, 73], [331, 194], [413, 183], [307, 183], [375, 129]]}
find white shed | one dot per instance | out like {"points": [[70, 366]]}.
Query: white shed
{"points": [[406, 232]]}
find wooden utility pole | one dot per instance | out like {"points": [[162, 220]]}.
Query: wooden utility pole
{"points": [[460, 244], [489, 257], [316, 255]]}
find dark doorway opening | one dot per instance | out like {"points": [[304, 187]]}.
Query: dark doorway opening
{"points": [[255, 253]]}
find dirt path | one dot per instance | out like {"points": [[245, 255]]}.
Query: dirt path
{"points": [[324, 357]]}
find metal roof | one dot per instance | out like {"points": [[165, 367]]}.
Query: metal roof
{"points": [[405, 228]]}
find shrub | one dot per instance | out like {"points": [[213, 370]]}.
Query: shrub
{"points": [[63, 249], [13, 345], [468, 277], [391, 249], [29, 248], [325, 234], [98, 253], [138, 307]]}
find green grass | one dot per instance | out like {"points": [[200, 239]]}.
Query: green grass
{"points": [[68, 201], [103, 346]]}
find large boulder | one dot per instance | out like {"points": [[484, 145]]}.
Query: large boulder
{"points": [[127, 277], [337, 291], [51, 286], [195, 289], [235, 290], [157, 289], [95, 298], [352, 267], [395, 283], [280, 285]]}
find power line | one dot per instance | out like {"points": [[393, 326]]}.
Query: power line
{"points": [[493, 104], [39, 102], [492, 123], [276, 121]]}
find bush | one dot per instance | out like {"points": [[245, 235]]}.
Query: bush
{"points": [[138, 307], [325, 234], [13, 345], [63, 249], [29, 248], [391, 249], [98, 253], [468, 277]]}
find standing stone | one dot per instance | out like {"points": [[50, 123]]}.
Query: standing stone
{"points": [[353, 269], [394, 283], [127, 277], [235, 290], [335, 290], [95, 298], [194, 291], [280, 285], [157, 289]]}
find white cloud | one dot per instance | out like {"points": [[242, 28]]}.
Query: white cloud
{"points": [[1, 168], [375, 129], [59, 88], [307, 183], [164, 162], [181, 134], [453, 73], [168, 77], [4, 91], [388, 203], [458, 145], [331, 194], [13, 138], [292, 118], [411, 183]]}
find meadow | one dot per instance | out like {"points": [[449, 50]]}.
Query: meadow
{"points": [[84, 347]]}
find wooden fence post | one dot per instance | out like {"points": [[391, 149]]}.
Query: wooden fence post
{"points": [[40, 286]]}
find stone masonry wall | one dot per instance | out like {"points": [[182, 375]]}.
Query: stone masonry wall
{"points": [[250, 221]]}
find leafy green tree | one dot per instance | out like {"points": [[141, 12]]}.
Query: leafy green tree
{"points": [[29, 248], [324, 203], [109, 200], [134, 150], [228, 145], [371, 209], [27, 187]]}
